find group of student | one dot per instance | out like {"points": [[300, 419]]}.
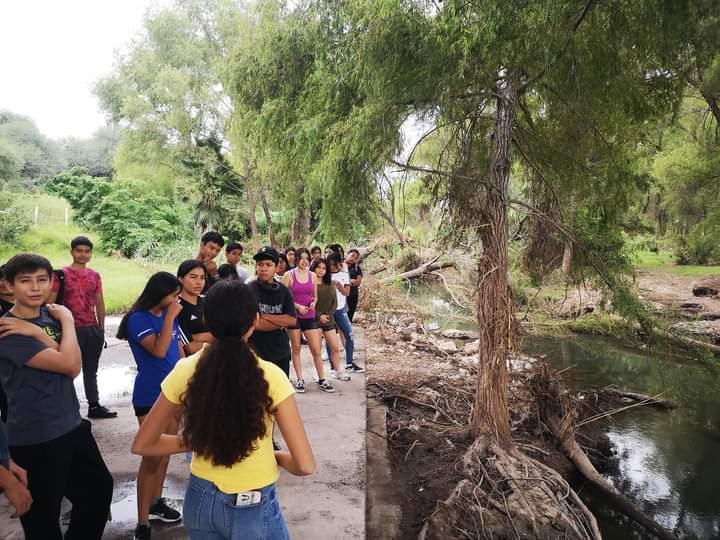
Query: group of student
{"points": [[213, 347]]}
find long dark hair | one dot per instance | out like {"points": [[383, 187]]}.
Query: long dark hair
{"points": [[158, 287], [227, 398], [326, 279]]}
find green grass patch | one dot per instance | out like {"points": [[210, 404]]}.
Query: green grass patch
{"points": [[665, 262], [123, 279]]}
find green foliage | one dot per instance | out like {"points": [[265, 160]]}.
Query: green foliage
{"points": [[26, 156], [14, 220], [129, 218], [94, 154]]}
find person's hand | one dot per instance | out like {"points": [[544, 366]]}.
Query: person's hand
{"points": [[19, 473], [302, 310], [312, 305], [210, 266], [324, 319], [174, 310], [60, 313], [19, 497], [13, 326]]}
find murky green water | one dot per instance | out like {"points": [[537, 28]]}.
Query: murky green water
{"points": [[669, 461]]}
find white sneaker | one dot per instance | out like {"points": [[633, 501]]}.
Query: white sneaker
{"points": [[323, 354], [339, 375]]}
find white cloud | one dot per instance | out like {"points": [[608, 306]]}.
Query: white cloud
{"points": [[53, 51]]}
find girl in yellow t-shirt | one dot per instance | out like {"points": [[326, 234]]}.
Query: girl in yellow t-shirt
{"points": [[228, 399]]}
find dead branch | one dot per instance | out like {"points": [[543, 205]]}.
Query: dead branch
{"points": [[447, 288], [642, 398], [419, 271]]}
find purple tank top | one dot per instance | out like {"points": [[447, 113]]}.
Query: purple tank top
{"points": [[303, 293]]}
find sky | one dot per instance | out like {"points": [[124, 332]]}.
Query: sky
{"points": [[53, 51]]}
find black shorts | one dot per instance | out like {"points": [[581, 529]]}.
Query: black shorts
{"points": [[305, 324], [327, 327], [141, 410]]}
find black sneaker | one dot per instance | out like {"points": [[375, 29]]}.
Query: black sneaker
{"points": [[355, 368], [98, 411], [162, 512], [142, 532], [276, 446]]}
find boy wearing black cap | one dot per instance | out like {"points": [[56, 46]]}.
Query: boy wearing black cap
{"points": [[277, 311]]}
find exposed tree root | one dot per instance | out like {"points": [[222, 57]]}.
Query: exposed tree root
{"points": [[506, 494]]}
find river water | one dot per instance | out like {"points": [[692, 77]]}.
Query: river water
{"points": [[668, 461]]}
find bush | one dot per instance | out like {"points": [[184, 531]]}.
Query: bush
{"points": [[14, 220], [130, 218], [698, 247]]}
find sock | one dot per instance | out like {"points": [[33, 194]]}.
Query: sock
{"points": [[155, 501], [144, 524]]}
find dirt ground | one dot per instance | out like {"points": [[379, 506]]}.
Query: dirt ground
{"points": [[428, 395]]}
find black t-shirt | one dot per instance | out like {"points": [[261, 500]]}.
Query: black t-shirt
{"points": [[5, 306], [191, 320], [354, 271], [273, 299]]}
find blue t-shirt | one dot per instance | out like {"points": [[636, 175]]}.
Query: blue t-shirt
{"points": [[151, 370], [42, 405]]}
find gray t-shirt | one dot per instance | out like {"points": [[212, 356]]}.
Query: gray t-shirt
{"points": [[42, 405]]}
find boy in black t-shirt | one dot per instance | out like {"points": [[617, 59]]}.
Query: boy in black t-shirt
{"points": [[277, 311], [46, 435]]}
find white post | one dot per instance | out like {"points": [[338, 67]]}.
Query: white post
{"points": [[67, 216], [37, 211]]}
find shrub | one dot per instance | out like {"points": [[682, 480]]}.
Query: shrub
{"points": [[14, 220]]}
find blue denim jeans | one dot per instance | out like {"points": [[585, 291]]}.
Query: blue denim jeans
{"points": [[210, 514], [345, 326]]}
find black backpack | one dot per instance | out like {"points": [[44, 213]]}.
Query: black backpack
{"points": [[60, 276]]}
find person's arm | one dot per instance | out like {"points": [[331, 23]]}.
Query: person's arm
{"points": [[315, 290], [344, 288], [269, 323], [299, 460], [151, 439], [14, 326], [158, 344], [15, 490], [66, 360], [100, 309], [198, 342], [355, 282]]}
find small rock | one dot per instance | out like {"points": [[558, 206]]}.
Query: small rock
{"points": [[472, 347], [452, 333], [707, 287], [447, 346]]}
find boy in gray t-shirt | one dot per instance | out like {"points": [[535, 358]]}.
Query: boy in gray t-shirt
{"points": [[39, 358]]}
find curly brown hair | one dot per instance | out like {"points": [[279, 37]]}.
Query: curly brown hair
{"points": [[227, 400]]}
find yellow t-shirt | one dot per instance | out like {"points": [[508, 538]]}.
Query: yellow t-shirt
{"points": [[260, 468]]}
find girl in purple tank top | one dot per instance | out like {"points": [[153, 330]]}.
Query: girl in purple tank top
{"points": [[303, 285]]}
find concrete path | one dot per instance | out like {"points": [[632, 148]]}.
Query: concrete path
{"points": [[328, 505]]}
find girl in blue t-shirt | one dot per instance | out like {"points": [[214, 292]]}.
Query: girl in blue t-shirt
{"points": [[151, 328]]}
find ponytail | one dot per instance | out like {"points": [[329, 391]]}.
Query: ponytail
{"points": [[227, 399]]}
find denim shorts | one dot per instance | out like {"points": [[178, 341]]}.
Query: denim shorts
{"points": [[210, 514]]}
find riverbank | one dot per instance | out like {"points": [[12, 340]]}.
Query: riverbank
{"points": [[427, 387]]}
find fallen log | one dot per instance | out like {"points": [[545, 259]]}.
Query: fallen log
{"points": [[378, 270], [647, 400], [694, 342], [558, 414], [569, 445], [419, 271]]}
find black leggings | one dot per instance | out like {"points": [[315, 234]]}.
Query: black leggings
{"points": [[69, 466]]}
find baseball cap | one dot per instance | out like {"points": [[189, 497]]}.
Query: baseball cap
{"points": [[267, 253]]}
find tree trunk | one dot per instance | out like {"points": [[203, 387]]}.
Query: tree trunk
{"points": [[491, 417], [252, 204], [268, 218], [567, 257]]}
